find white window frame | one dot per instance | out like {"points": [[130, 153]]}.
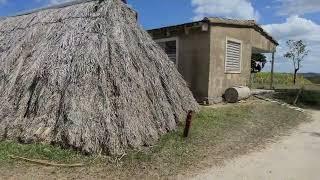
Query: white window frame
{"points": [[225, 59], [177, 46]]}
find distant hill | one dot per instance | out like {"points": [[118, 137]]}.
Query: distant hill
{"points": [[310, 74], [313, 77]]}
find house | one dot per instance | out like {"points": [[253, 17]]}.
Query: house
{"points": [[215, 53]]}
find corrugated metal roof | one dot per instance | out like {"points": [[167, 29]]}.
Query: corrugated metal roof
{"points": [[239, 22], [225, 21], [231, 21]]}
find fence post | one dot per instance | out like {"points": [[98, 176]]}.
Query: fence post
{"points": [[272, 71], [188, 124]]}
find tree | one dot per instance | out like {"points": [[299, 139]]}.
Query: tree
{"points": [[258, 62], [296, 53]]}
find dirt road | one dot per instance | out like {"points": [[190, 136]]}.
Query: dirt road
{"points": [[294, 157]]}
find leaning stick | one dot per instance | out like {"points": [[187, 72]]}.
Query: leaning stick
{"points": [[297, 97], [41, 162]]}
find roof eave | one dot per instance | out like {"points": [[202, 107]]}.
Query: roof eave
{"points": [[250, 24], [254, 26]]}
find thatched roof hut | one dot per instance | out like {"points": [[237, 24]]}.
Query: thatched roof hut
{"points": [[86, 76]]}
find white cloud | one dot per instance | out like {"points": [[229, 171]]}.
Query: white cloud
{"points": [[58, 1], [290, 7], [51, 2], [239, 9], [297, 28]]}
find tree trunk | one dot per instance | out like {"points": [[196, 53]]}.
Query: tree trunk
{"points": [[295, 76], [272, 72]]}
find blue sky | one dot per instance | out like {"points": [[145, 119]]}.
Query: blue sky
{"points": [[284, 19]]}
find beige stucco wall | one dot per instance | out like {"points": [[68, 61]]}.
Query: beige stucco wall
{"points": [[219, 81], [251, 40], [261, 42], [193, 63], [202, 57]]}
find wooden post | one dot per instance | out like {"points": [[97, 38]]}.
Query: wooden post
{"points": [[188, 124], [272, 71], [297, 96]]}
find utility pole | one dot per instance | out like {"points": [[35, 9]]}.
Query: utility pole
{"points": [[272, 71]]}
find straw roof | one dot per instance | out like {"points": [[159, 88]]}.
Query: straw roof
{"points": [[86, 76]]}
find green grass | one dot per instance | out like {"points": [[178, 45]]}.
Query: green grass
{"points": [[309, 98], [262, 80], [287, 92], [216, 134], [314, 80], [208, 129], [37, 151], [213, 120]]}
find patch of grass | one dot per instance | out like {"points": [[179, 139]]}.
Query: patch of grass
{"points": [[37, 151], [287, 92], [262, 80], [216, 134], [314, 79], [309, 98], [174, 153]]}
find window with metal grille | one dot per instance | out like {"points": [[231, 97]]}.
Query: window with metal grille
{"points": [[171, 49], [170, 46], [233, 57]]}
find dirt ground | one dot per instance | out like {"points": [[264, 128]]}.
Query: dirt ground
{"points": [[294, 157], [295, 150]]}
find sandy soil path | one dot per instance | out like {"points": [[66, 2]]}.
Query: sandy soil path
{"points": [[294, 157]]}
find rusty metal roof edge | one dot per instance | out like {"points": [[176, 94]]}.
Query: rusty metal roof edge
{"points": [[177, 25], [225, 21]]}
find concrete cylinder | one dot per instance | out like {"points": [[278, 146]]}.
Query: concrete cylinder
{"points": [[235, 94]]}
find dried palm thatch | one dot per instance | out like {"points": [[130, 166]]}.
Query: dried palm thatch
{"points": [[86, 76]]}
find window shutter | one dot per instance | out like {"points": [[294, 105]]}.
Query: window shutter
{"points": [[170, 47], [233, 57]]}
